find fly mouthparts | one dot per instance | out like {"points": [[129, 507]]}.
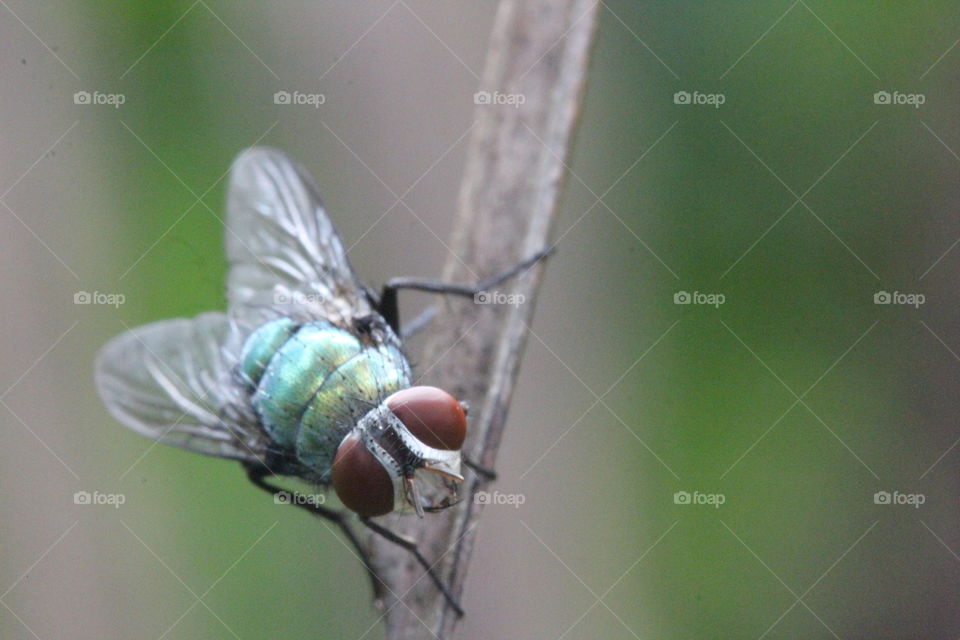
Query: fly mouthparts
{"points": [[413, 494], [440, 468]]}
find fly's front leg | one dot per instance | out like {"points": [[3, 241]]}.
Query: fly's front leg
{"points": [[484, 472], [411, 546], [387, 303], [257, 474]]}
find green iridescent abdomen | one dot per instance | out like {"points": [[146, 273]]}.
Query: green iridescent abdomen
{"points": [[313, 382]]}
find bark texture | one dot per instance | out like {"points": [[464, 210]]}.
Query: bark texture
{"points": [[509, 196]]}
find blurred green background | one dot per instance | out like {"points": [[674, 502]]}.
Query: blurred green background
{"points": [[794, 402]]}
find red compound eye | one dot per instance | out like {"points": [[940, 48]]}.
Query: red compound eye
{"points": [[434, 416], [361, 482]]}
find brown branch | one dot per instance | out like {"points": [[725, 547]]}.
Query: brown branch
{"points": [[515, 168]]}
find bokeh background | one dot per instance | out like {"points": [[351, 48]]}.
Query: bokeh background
{"points": [[793, 402]]}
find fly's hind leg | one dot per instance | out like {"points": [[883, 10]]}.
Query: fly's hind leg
{"points": [[411, 546], [257, 474], [387, 303]]}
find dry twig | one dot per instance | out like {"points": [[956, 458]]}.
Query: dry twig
{"points": [[515, 168]]}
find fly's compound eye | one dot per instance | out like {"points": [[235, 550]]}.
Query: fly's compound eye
{"points": [[361, 482], [432, 415]]}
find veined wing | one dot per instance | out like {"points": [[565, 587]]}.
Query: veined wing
{"points": [[172, 381], [285, 256]]}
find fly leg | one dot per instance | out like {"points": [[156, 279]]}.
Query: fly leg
{"points": [[485, 472], [419, 323], [387, 303], [256, 475], [411, 546]]}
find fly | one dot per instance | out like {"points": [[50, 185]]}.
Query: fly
{"points": [[305, 373]]}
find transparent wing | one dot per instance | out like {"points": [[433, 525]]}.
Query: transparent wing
{"points": [[285, 256], [172, 381]]}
